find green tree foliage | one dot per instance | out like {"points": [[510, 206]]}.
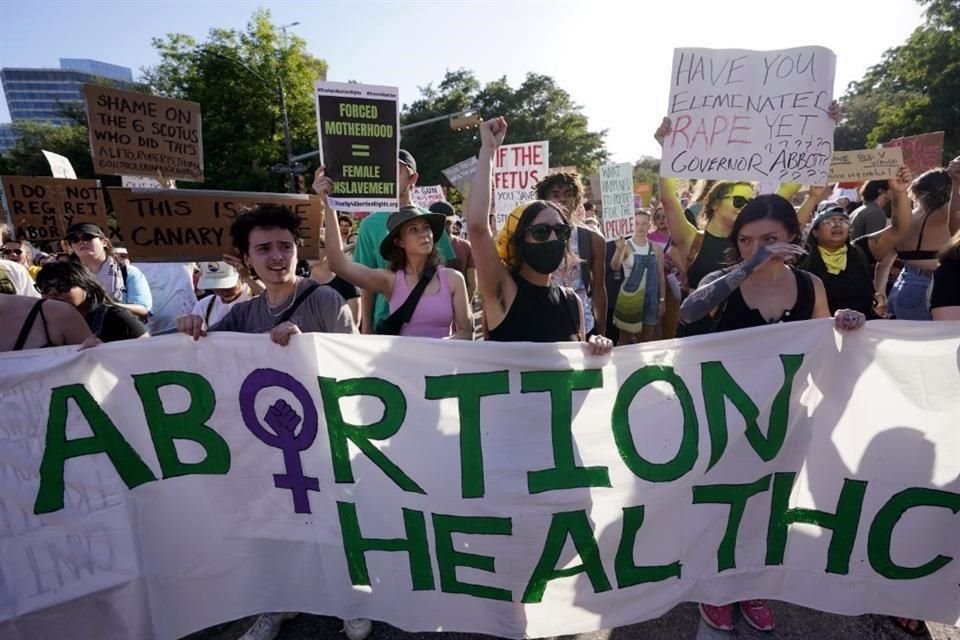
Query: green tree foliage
{"points": [[647, 169], [71, 141], [914, 89], [537, 110], [234, 76]]}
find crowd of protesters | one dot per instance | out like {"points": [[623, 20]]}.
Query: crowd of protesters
{"points": [[714, 257]]}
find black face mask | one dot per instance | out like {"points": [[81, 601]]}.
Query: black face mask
{"points": [[543, 257]]}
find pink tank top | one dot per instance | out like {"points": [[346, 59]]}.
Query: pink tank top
{"points": [[433, 316]]}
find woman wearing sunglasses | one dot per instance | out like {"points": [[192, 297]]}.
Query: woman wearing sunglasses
{"points": [[71, 282], [410, 249], [124, 283], [521, 303], [847, 268]]}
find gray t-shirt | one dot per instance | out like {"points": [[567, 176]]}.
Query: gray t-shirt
{"points": [[866, 220], [323, 310]]}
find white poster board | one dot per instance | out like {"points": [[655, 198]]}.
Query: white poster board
{"points": [[616, 195], [60, 166], [426, 196], [517, 170], [750, 115]]}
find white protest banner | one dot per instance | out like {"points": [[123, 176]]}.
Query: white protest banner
{"points": [[426, 196], [865, 164], [460, 175], [359, 128], [241, 476], [141, 182], [616, 196], [60, 166], [750, 115], [517, 170]]}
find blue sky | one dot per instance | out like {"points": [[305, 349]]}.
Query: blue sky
{"points": [[612, 57]]}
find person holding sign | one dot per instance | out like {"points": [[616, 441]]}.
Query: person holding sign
{"points": [[641, 301], [521, 302], [426, 299], [124, 283], [846, 266]]}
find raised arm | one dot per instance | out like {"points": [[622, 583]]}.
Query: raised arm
{"points": [[885, 241], [616, 262], [493, 280], [815, 196], [717, 286], [682, 233], [377, 280]]}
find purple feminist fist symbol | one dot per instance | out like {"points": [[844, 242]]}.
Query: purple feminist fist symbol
{"points": [[283, 420]]}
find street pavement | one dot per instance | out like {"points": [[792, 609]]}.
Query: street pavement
{"points": [[682, 623]]}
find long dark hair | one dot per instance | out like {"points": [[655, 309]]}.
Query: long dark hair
{"points": [[762, 207], [75, 274]]}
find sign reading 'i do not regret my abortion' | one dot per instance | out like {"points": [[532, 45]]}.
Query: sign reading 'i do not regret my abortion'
{"points": [[359, 127]]}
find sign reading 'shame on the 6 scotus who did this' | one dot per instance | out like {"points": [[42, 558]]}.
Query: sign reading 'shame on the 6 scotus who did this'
{"points": [[359, 127]]}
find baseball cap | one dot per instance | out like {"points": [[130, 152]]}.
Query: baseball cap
{"points": [[217, 275], [81, 228], [405, 157]]}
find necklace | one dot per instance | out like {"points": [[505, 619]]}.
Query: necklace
{"points": [[276, 313]]}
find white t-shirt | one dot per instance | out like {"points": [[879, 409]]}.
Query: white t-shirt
{"points": [[171, 285], [19, 277], [220, 308]]}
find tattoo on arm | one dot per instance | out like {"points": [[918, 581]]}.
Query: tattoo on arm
{"points": [[711, 295]]}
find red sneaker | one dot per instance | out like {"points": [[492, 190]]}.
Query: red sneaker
{"points": [[720, 618], [757, 614]]}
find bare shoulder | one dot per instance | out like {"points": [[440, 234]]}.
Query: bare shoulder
{"points": [[454, 276]]}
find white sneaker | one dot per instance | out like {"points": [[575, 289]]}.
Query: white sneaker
{"points": [[358, 628], [267, 626]]}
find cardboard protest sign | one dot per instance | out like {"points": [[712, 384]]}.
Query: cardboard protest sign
{"points": [[42, 208], [186, 224], [591, 188], [920, 153], [616, 195], [750, 115], [460, 175], [140, 182], [865, 164], [426, 196], [749, 464], [60, 166], [517, 170], [138, 134], [359, 129], [643, 191]]}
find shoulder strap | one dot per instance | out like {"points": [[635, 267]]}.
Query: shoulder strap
{"points": [[206, 316], [296, 303], [28, 324], [923, 226], [695, 247], [405, 311], [805, 289], [585, 249]]}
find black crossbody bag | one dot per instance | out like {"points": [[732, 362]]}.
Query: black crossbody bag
{"points": [[392, 325]]}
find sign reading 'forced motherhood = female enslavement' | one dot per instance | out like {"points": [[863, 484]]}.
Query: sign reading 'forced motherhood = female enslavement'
{"points": [[359, 129], [517, 490], [751, 115]]}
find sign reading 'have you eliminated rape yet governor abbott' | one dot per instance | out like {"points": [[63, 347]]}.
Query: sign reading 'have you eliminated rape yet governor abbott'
{"points": [[359, 128]]}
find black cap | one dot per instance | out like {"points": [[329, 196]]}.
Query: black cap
{"points": [[85, 227], [405, 157], [443, 208]]}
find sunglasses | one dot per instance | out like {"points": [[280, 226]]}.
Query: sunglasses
{"points": [[739, 202], [541, 232], [84, 237], [13, 252], [836, 221], [53, 288]]}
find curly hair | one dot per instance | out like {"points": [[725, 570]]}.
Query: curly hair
{"points": [[269, 216], [565, 179]]}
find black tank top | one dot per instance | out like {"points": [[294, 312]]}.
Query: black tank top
{"points": [[918, 253], [737, 315], [852, 288], [539, 314], [710, 258]]}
